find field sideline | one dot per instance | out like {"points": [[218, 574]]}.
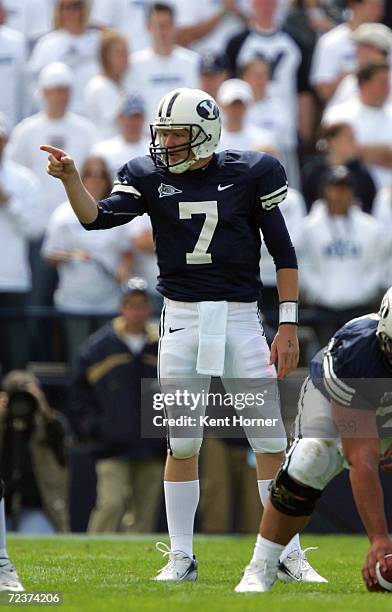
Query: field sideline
{"points": [[113, 574]]}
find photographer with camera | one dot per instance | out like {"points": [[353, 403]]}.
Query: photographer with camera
{"points": [[33, 458]]}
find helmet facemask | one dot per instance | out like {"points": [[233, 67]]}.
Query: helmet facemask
{"points": [[384, 328], [161, 154]]}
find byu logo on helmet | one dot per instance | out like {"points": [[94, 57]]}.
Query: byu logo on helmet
{"points": [[208, 110]]}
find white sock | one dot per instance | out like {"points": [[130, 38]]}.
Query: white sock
{"points": [[264, 494], [267, 550], [3, 542], [181, 499]]}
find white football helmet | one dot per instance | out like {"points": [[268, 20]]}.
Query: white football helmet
{"points": [[384, 328], [194, 110]]}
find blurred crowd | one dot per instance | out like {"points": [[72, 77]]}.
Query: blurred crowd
{"points": [[309, 81]]}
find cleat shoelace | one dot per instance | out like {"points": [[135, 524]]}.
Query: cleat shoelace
{"points": [[167, 552], [302, 561]]}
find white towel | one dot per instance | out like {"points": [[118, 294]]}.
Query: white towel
{"points": [[212, 338]]}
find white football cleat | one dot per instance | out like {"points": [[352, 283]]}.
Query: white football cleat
{"points": [[179, 567], [9, 579], [259, 577], [296, 568]]}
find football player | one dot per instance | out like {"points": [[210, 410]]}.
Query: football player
{"points": [[206, 211], [344, 408]]}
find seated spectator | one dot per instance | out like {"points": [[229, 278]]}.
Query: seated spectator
{"points": [[334, 55], [163, 66], [268, 110], [71, 42], [54, 125], [341, 253], [213, 70], [235, 97], [128, 17], [289, 71], [106, 410], [33, 457], [21, 219], [131, 141], [91, 265], [338, 146], [103, 92], [373, 44], [371, 119], [32, 19], [208, 25], [13, 99]]}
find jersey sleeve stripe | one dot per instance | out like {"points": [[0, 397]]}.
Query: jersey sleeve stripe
{"points": [[273, 201], [344, 386], [335, 394], [269, 195], [334, 385], [119, 188]]}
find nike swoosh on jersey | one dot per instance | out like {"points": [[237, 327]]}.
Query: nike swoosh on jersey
{"points": [[171, 331], [223, 187]]}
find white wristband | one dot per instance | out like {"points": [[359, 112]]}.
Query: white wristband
{"points": [[288, 313]]}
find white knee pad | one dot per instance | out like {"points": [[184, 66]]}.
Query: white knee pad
{"points": [[314, 462], [268, 445], [185, 448]]}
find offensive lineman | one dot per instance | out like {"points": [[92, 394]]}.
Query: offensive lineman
{"points": [[344, 409], [207, 211]]}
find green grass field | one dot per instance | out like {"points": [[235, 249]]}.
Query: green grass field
{"points": [[114, 575]]}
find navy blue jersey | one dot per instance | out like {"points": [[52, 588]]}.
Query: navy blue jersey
{"points": [[206, 223], [352, 369]]}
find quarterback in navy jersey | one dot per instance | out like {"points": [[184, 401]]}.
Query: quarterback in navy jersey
{"points": [[207, 211], [344, 413]]}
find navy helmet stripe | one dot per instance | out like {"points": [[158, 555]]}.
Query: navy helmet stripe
{"points": [[160, 108], [170, 105]]}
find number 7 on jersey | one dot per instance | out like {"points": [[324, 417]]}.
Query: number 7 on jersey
{"points": [[199, 254]]}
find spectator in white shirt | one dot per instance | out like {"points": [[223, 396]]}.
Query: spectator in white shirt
{"points": [[72, 43], [32, 18], [268, 110], [334, 55], [208, 25], [12, 71], [54, 125], [131, 141], [371, 118], [163, 66], [103, 92], [214, 69], [91, 265], [341, 253], [234, 97], [21, 219], [125, 16], [373, 44]]}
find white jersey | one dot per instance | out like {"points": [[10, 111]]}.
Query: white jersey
{"points": [[116, 151], [32, 18], [249, 138], [348, 89], [372, 126], [12, 67], [102, 98], [154, 75], [79, 52], [73, 134], [284, 57], [269, 114], [334, 53], [21, 220], [85, 286], [341, 258], [126, 16], [293, 209], [193, 13]]}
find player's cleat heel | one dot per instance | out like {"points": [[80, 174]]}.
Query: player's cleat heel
{"points": [[258, 577], [9, 579], [296, 568], [179, 567]]}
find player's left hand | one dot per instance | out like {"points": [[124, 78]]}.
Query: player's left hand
{"points": [[285, 350], [381, 546]]}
